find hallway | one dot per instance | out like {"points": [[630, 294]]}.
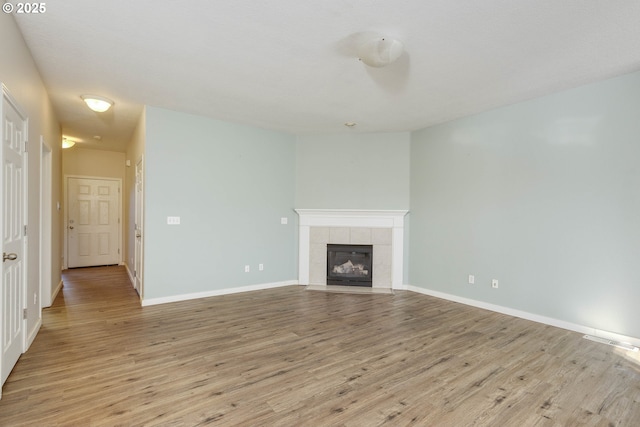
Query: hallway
{"points": [[57, 382]]}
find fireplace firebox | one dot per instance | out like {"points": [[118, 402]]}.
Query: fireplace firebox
{"points": [[350, 265]]}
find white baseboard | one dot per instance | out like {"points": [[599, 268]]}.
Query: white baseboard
{"points": [[131, 279], [528, 316], [32, 334], [217, 292], [55, 292]]}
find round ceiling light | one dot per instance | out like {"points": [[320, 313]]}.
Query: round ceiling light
{"points": [[380, 51], [98, 104]]}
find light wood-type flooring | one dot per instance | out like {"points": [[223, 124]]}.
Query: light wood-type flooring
{"points": [[293, 357]]}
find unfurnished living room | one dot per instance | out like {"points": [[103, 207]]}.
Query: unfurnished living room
{"points": [[339, 213]]}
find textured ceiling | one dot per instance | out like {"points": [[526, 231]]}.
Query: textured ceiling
{"points": [[292, 65]]}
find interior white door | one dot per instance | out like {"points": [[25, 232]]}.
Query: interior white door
{"points": [[137, 272], [14, 137], [93, 222]]}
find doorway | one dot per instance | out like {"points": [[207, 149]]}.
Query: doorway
{"points": [[139, 227], [93, 221], [46, 181]]}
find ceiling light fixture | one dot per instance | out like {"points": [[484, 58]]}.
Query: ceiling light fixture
{"points": [[350, 124], [66, 143], [98, 104], [380, 51]]}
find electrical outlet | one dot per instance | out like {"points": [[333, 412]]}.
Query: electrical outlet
{"points": [[494, 283], [261, 267], [247, 269], [472, 279], [284, 220]]}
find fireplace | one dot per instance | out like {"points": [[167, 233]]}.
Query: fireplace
{"points": [[350, 265], [383, 229]]}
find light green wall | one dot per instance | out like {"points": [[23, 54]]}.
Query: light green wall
{"points": [[353, 171], [230, 184], [542, 195]]}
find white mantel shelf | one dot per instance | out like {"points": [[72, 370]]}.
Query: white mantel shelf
{"points": [[351, 218], [393, 219]]}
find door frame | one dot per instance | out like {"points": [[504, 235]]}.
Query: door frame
{"points": [[138, 212], [65, 263], [46, 228]]}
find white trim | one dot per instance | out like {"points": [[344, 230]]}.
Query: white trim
{"points": [[131, 279], [351, 218], [393, 219], [16, 106], [26, 244], [138, 204], [32, 335], [54, 294], [528, 316], [46, 217], [217, 292]]}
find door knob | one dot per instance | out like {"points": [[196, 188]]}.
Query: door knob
{"points": [[71, 227], [10, 257]]}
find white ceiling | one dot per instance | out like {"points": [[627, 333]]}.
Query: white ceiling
{"points": [[291, 65]]}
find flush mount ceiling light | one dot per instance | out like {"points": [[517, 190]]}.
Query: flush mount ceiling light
{"points": [[67, 143], [98, 104], [70, 141], [380, 51]]}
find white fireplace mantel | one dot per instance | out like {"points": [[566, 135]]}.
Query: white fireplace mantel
{"points": [[392, 219]]}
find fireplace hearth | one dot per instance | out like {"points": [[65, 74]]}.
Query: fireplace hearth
{"points": [[350, 265]]}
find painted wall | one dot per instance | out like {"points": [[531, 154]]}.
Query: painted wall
{"points": [[230, 185], [77, 161], [543, 196], [93, 163], [353, 171], [20, 74]]}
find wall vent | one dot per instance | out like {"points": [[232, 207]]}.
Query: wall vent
{"points": [[618, 344]]}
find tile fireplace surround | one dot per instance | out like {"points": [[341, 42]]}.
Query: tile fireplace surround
{"points": [[384, 229]]}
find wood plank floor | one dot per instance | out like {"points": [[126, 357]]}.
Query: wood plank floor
{"points": [[290, 357]]}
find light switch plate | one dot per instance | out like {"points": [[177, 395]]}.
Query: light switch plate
{"points": [[173, 220]]}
